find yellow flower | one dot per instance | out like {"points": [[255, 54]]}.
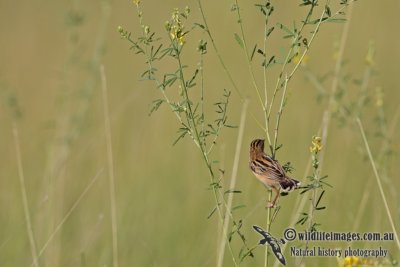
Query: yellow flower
{"points": [[355, 261], [136, 2], [369, 58], [175, 16], [176, 27], [379, 97], [177, 35], [316, 144], [351, 262], [146, 30], [296, 60], [187, 10], [181, 40]]}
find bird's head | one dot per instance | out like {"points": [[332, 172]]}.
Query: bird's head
{"points": [[257, 146]]}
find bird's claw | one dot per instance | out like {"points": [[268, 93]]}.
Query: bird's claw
{"points": [[270, 205]]}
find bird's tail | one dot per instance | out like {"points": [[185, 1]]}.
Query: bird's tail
{"points": [[289, 184]]}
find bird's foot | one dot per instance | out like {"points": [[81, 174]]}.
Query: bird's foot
{"points": [[270, 205]]}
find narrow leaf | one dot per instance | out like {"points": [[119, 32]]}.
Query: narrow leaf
{"points": [[239, 40], [254, 50], [238, 207], [232, 191]]}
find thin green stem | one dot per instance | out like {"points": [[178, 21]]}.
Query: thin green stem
{"points": [[246, 52], [190, 114], [338, 12], [327, 113], [110, 161], [219, 127], [202, 96], [363, 89], [265, 75], [69, 213], [222, 62], [28, 219], [378, 180], [278, 119], [269, 220], [149, 61], [286, 61], [335, 82], [232, 185]]}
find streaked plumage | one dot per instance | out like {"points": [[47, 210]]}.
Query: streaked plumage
{"points": [[269, 171]]}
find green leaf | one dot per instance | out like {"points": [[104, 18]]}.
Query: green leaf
{"points": [[286, 29], [238, 207], [154, 55], [335, 20], [232, 191], [328, 10], [169, 80], [325, 183], [245, 252], [177, 107], [155, 105], [306, 3], [319, 198], [316, 21], [306, 188], [214, 185], [304, 218], [270, 31], [261, 52], [199, 25], [239, 40], [213, 211], [183, 132], [252, 54]]}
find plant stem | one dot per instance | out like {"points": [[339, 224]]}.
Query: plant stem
{"points": [[265, 76], [278, 119], [286, 61], [110, 159], [149, 62], [202, 96], [232, 183], [266, 255], [224, 67], [249, 66], [190, 115], [335, 83], [378, 180], [68, 214], [28, 220]]}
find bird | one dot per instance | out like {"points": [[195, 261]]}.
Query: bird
{"points": [[269, 171]]}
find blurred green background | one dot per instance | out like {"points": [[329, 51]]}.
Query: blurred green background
{"points": [[51, 53]]}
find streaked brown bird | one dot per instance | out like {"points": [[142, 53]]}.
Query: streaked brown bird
{"points": [[269, 171]]}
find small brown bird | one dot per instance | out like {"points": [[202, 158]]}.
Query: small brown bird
{"points": [[269, 171]]}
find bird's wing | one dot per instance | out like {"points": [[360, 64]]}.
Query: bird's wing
{"points": [[274, 169]]}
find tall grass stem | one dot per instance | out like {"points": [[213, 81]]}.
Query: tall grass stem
{"points": [[232, 183], [24, 196], [68, 214], [378, 180], [335, 82], [110, 160]]}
